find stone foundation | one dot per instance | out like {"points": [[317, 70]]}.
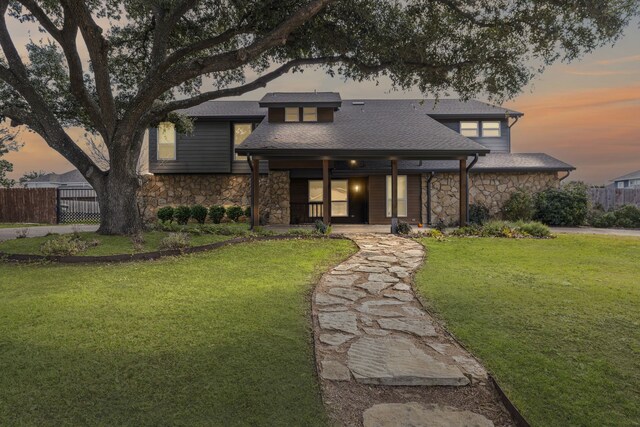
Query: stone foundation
{"points": [[489, 189], [208, 190]]}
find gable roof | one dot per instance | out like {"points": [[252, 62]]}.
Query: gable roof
{"points": [[281, 99], [377, 128], [632, 175], [220, 109]]}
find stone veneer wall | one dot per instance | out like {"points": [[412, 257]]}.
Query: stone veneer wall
{"points": [[490, 189], [216, 189]]}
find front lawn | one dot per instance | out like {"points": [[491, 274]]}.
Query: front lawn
{"points": [[556, 321], [107, 245], [218, 338]]}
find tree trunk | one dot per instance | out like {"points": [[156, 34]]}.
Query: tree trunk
{"points": [[119, 205]]}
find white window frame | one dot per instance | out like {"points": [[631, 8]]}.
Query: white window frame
{"points": [[634, 182], [620, 184], [288, 111], [236, 156], [477, 129], [403, 204], [172, 142], [499, 129], [310, 114]]}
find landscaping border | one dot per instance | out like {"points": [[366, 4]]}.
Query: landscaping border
{"points": [[148, 256]]}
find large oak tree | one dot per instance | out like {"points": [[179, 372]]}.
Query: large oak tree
{"points": [[116, 68]]}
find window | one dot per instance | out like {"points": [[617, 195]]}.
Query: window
{"points": [[491, 129], [240, 132], [469, 129], [166, 141], [309, 114], [402, 196], [620, 184], [339, 198], [634, 183], [292, 114]]}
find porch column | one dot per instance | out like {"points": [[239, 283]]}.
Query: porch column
{"points": [[326, 193], [255, 193], [463, 192], [394, 196]]}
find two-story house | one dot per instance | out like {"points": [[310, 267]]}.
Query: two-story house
{"points": [[298, 157]]}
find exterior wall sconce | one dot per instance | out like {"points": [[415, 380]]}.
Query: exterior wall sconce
{"points": [[356, 188], [353, 162]]}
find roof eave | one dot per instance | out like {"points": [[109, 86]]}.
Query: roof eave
{"points": [[474, 115], [273, 104], [329, 154]]}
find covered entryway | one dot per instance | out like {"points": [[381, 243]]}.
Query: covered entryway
{"points": [[349, 200]]}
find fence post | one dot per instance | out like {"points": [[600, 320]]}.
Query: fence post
{"points": [[58, 205]]}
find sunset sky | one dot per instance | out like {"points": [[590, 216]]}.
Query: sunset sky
{"points": [[586, 113]]}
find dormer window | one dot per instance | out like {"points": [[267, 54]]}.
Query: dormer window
{"points": [[470, 129], [292, 114], [490, 129], [310, 114]]}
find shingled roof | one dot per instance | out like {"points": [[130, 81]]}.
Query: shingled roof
{"points": [[301, 99], [632, 175], [369, 130], [231, 109]]}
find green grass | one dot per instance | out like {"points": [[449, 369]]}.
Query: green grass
{"points": [[556, 321], [109, 245], [221, 338], [19, 225]]}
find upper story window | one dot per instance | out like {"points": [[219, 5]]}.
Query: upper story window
{"points": [[166, 141], [469, 129], [291, 114], [491, 129], [240, 132], [310, 114]]}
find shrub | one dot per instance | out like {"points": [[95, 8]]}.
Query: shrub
{"points": [[404, 228], [216, 213], [322, 228], [178, 241], [518, 207], [478, 213], [65, 245], [440, 225], [165, 214], [565, 206], [302, 232], [533, 228], [137, 241], [234, 212], [247, 212], [261, 231], [507, 229], [199, 213], [182, 214], [627, 216]]}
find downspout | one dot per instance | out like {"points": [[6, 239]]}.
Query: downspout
{"points": [[249, 160], [431, 175], [565, 177], [473, 162]]}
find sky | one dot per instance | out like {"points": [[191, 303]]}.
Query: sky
{"points": [[586, 113]]}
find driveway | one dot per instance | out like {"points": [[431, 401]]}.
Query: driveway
{"points": [[10, 233], [591, 230]]}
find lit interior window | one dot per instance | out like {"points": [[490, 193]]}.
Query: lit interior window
{"points": [[240, 132], [469, 129], [402, 196], [339, 198], [291, 114], [166, 141], [309, 114], [491, 129]]}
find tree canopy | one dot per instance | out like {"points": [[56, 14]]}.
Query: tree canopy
{"points": [[115, 68]]}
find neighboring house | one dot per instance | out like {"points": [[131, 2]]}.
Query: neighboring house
{"points": [[71, 179], [315, 156], [630, 180]]}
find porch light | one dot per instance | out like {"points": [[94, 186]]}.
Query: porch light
{"points": [[353, 162], [356, 188]]}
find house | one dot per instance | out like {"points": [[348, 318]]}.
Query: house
{"points": [[68, 180], [630, 180], [298, 157]]}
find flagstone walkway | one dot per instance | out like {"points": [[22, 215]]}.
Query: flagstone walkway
{"points": [[383, 360]]}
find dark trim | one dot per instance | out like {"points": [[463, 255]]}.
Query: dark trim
{"points": [[268, 104], [146, 256], [345, 172], [474, 115], [363, 154]]}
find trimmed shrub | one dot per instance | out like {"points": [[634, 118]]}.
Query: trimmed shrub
{"points": [[234, 212], [404, 228], [518, 207], [533, 228], [216, 213], [247, 212], [199, 213], [165, 214], [178, 241], [506, 229], [627, 216], [478, 213], [322, 228], [566, 206], [182, 214]]}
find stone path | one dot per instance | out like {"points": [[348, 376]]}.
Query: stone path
{"points": [[371, 331]]}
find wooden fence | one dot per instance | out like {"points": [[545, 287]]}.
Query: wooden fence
{"points": [[611, 198], [28, 205]]}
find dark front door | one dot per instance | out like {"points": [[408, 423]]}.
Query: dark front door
{"points": [[306, 200], [358, 202]]}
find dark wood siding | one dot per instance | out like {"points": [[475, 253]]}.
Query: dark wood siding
{"points": [[325, 115], [378, 200], [276, 115], [501, 144], [206, 150]]}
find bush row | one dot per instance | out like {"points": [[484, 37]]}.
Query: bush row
{"points": [[518, 229], [627, 216], [216, 214]]}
